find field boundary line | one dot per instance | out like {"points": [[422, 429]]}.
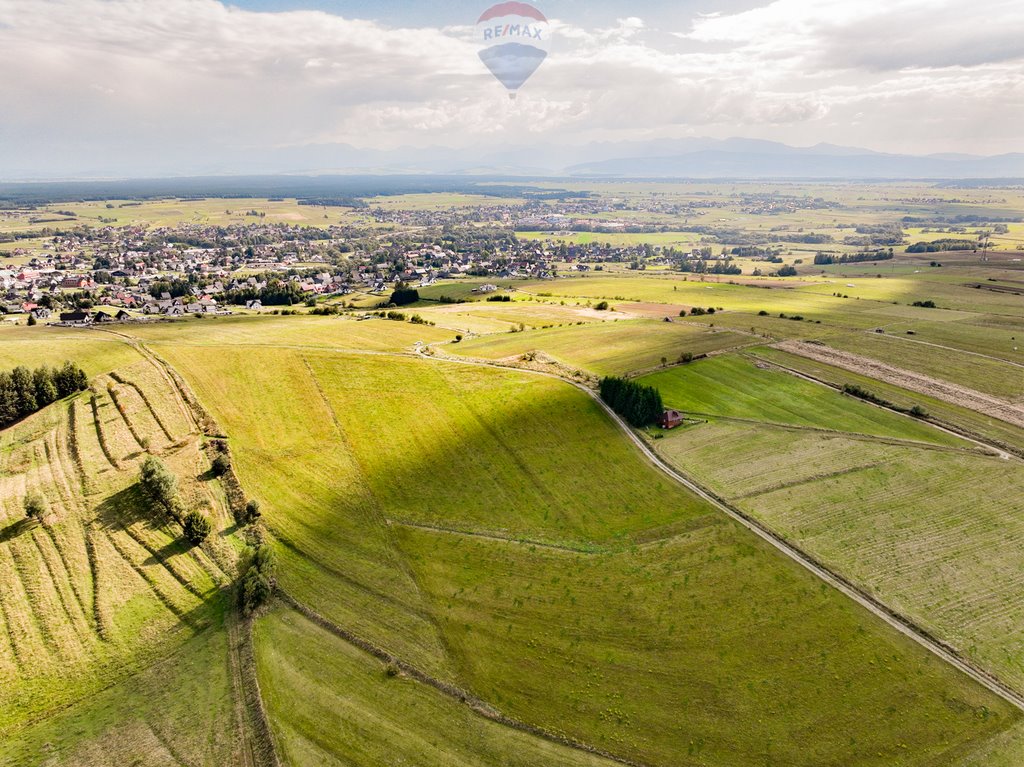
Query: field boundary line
{"points": [[582, 549], [898, 621], [999, 449], [475, 704], [854, 435]]}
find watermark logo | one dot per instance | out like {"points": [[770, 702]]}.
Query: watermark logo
{"points": [[514, 39]]}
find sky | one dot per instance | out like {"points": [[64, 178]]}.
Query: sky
{"points": [[157, 87]]}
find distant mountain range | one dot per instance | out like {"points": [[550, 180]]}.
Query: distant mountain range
{"points": [[695, 158]]}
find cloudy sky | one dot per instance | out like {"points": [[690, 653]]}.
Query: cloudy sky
{"points": [[143, 87]]}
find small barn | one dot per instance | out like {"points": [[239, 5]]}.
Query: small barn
{"points": [[670, 419]]}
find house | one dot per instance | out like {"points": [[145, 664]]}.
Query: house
{"points": [[40, 313], [102, 317], [254, 305], [77, 318], [122, 316], [670, 419]]}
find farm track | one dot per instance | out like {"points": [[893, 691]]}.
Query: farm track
{"points": [[897, 621], [494, 537], [476, 705]]}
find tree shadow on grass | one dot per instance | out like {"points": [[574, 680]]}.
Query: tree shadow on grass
{"points": [[15, 529], [127, 507]]}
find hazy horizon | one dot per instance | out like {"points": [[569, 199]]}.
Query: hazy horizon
{"points": [[169, 87]]}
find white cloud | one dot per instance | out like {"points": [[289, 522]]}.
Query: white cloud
{"points": [[181, 83]]}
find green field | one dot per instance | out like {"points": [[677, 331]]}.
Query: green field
{"points": [[475, 563], [609, 348], [456, 526], [735, 387]]}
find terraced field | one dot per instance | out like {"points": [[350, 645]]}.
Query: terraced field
{"points": [[104, 587]]}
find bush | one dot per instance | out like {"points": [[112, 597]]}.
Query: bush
{"points": [[698, 312], [925, 304], [221, 465], [918, 412], [258, 581], [602, 306], [196, 527], [762, 313], [252, 511], [788, 271], [35, 507]]}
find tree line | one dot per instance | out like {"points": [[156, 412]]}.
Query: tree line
{"points": [[24, 391], [640, 405]]}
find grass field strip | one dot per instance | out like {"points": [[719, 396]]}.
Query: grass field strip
{"points": [[995, 450]]}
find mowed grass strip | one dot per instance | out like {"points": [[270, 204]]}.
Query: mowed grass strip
{"points": [[937, 536], [710, 648], [734, 386], [332, 704], [96, 352], [970, 421], [990, 376], [608, 348], [177, 711], [301, 331]]}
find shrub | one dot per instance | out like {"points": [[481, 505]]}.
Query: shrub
{"points": [[252, 511], [221, 465], [698, 312], [35, 507], [259, 578], [788, 271], [602, 306], [925, 304], [458, 339], [762, 313], [918, 412], [196, 527]]}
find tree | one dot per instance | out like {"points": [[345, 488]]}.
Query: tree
{"points": [[196, 527], [35, 507], [159, 483], [70, 379], [404, 295], [46, 390], [8, 400], [24, 391], [32, 320], [259, 578]]}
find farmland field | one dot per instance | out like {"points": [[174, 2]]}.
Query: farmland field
{"points": [[611, 348], [470, 558]]}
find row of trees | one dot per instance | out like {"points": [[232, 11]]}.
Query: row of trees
{"points": [[24, 391], [824, 259], [640, 405]]}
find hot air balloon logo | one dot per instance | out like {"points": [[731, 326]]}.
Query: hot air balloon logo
{"points": [[515, 39]]}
